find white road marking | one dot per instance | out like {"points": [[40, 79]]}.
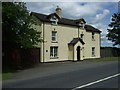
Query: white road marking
{"points": [[96, 81]]}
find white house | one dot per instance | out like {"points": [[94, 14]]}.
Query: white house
{"points": [[66, 39]]}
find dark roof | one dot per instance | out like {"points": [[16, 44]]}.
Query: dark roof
{"points": [[40, 16], [65, 21], [52, 15], [91, 28], [75, 40]]}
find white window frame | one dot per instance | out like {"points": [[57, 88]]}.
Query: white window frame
{"points": [[81, 25], [54, 52], [93, 51], [54, 36], [82, 36], [54, 21], [93, 36]]}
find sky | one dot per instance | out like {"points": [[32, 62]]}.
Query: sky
{"points": [[97, 14]]}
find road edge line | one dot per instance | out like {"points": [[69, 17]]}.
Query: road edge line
{"points": [[85, 85]]}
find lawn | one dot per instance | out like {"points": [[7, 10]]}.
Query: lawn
{"points": [[107, 59]]}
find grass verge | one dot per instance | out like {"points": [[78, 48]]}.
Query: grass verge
{"points": [[107, 59], [6, 75]]}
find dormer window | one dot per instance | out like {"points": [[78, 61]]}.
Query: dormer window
{"points": [[81, 25], [54, 21]]}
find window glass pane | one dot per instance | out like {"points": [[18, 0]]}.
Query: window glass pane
{"points": [[53, 39], [53, 22], [53, 18], [54, 36], [53, 33], [55, 51], [92, 35], [93, 51], [51, 51], [81, 36]]}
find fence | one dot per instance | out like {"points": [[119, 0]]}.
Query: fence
{"points": [[21, 58], [110, 52]]}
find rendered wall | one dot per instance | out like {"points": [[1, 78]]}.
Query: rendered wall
{"points": [[65, 34]]}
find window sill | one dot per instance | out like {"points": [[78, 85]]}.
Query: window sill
{"points": [[54, 24], [54, 42], [93, 39], [53, 57], [93, 55]]}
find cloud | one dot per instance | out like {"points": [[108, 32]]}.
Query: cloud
{"points": [[99, 17], [69, 9]]}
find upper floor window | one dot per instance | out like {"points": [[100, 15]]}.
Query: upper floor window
{"points": [[93, 51], [81, 25], [93, 36], [54, 34], [54, 21], [81, 36]]}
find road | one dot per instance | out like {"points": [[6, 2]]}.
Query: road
{"points": [[70, 75]]}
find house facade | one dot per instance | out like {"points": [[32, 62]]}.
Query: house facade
{"points": [[66, 39]]}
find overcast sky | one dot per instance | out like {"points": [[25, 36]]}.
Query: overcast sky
{"points": [[97, 14]]}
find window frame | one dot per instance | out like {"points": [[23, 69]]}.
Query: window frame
{"points": [[82, 36], [93, 36], [93, 51], [54, 52], [54, 36], [54, 21]]}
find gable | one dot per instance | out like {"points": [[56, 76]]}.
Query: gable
{"points": [[75, 40]]}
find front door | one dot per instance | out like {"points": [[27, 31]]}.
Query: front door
{"points": [[78, 53]]}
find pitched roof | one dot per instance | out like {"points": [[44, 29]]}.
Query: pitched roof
{"points": [[91, 28], [75, 40], [52, 15], [65, 21]]}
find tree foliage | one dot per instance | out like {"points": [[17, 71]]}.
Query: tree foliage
{"points": [[17, 30], [114, 31]]}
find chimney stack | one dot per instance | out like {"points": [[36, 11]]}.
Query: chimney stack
{"points": [[58, 11]]}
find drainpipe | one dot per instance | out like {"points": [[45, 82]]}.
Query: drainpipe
{"points": [[78, 31], [43, 39], [73, 53], [100, 44]]}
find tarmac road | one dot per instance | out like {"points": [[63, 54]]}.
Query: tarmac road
{"points": [[70, 75]]}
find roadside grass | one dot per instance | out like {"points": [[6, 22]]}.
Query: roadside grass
{"points": [[106, 59], [7, 73]]}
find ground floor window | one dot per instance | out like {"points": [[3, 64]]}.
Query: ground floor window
{"points": [[54, 52], [93, 51]]}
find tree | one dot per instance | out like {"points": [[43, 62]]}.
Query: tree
{"points": [[17, 30], [114, 31]]}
